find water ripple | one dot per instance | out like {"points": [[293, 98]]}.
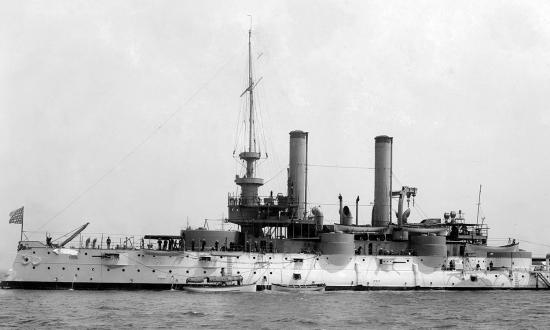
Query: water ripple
{"points": [[264, 310]]}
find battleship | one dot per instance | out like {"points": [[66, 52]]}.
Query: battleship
{"points": [[284, 241]]}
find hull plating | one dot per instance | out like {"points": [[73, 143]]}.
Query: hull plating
{"points": [[40, 268]]}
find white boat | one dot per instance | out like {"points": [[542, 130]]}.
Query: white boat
{"points": [[211, 288], [207, 284], [320, 287]]}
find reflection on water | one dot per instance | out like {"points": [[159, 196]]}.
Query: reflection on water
{"points": [[179, 309]]}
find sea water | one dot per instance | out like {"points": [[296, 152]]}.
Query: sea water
{"points": [[31, 309]]}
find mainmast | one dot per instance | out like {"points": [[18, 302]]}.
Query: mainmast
{"points": [[478, 204], [249, 184]]}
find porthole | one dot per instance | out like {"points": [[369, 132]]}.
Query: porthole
{"points": [[33, 267], [108, 269], [204, 272], [318, 259], [33, 252], [270, 258], [139, 255], [253, 257], [48, 267], [78, 268], [123, 269], [85, 253], [286, 258], [496, 275], [237, 257], [237, 272], [270, 273], [91, 279], [154, 256], [254, 272], [153, 270], [170, 271], [48, 252], [187, 271], [138, 270], [63, 268], [93, 269]]}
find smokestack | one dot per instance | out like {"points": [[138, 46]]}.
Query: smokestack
{"points": [[357, 211], [381, 215], [297, 172], [340, 210]]}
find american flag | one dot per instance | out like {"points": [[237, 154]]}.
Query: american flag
{"points": [[17, 216]]}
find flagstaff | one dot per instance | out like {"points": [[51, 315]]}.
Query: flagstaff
{"points": [[16, 217]]}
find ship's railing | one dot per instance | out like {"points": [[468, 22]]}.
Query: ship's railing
{"points": [[279, 200], [98, 241]]}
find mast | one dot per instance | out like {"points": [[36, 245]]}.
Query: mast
{"points": [[250, 93], [478, 204], [249, 183]]}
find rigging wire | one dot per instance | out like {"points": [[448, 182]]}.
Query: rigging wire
{"points": [[277, 174], [339, 166], [141, 143]]}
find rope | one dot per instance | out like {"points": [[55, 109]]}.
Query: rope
{"points": [[338, 166], [273, 177], [140, 144]]}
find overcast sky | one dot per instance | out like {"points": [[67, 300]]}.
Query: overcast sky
{"points": [[125, 113]]}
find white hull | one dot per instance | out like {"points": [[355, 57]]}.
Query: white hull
{"points": [[39, 267]]}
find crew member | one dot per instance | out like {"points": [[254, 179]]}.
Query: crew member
{"points": [[108, 242]]}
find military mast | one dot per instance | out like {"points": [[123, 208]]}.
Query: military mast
{"points": [[249, 183]]}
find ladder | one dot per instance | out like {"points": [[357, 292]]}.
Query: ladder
{"points": [[229, 265], [543, 278]]}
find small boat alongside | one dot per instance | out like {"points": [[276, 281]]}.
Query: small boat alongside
{"points": [[210, 284], [314, 287]]}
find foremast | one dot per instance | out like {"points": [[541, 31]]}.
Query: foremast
{"points": [[249, 183]]}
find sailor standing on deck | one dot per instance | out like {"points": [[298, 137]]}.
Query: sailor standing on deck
{"points": [[108, 242], [87, 242]]}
